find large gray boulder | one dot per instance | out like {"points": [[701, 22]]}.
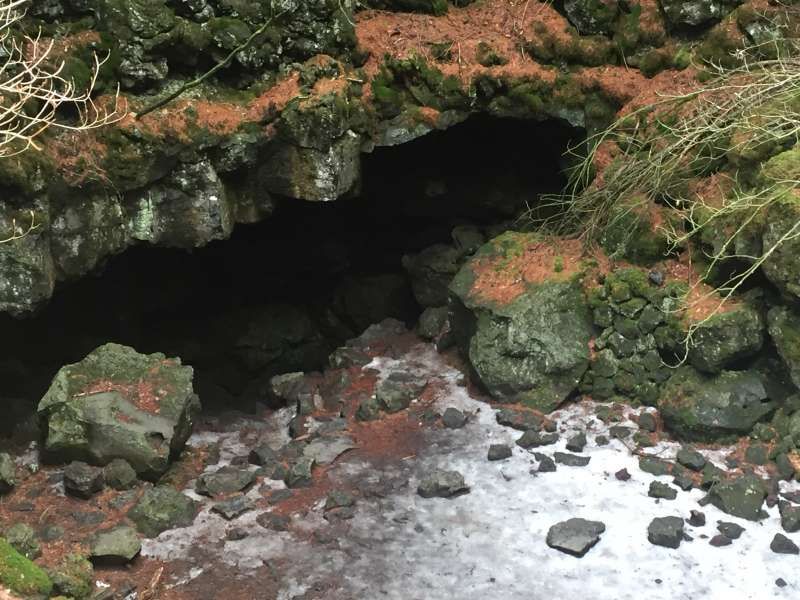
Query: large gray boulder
{"points": [[527, 340], [117, 403]]}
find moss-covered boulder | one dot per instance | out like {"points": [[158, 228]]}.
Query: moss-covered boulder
{"points": [[637, 231], [523, 320], [23, 538], [20, 575], [781, 239], [73, 577], [8, 473], [117, 403], [592, 16], [741, 497], [784, 328], [700, 407], [727, 337]]}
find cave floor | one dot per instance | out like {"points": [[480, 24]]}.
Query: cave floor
{"points": [[392, 543]]}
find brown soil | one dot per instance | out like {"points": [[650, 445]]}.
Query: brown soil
{"points": [[702, 301], [501, 280]]}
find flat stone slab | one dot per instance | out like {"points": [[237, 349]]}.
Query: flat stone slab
{"points": [[575, 536]]}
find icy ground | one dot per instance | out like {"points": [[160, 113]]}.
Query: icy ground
{"points": [[490, 543]]}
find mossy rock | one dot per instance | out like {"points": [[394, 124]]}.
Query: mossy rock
{"points": [[531, 346], [637, 232], [727, 337], [20, 575], [73, 577], [592, 16], [704, 408], [784, 328], [781, 226]]}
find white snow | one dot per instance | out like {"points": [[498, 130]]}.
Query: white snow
{"points": [[490, 543]]}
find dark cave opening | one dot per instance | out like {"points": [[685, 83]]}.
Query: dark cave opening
{"points": [[280, 295]]}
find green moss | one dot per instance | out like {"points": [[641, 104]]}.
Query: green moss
{"points": [[73, 577], [782, 167], [20, 575], [488, 57], [574, 49]]}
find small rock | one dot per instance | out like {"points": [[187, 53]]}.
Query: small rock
{"points": [[783, 545], [83, 480], [575, 536], [619, 432], [712, 475], [225, 480], [730, 530], [683, 480], [279, 496], [452, 418], [720, 540], [262, 455], [73, 577], [368, 410], [647, 422], [300, 473], [536, 439], [23, 539], [233, 507], [601, 440], [741, 497], [662, 491], [622, 475], [120, 475], [571, 460], [236, 534], [780, 582], [499, 452], [339, 499], [546, 464], [272, 521], [654, 466], [697, 518], [396, 392], [691, 459], [790, 517], [656, 277], [8, 473], [577, 442], [442, 484], [115, 546], [51, 533], [521, 420], [162, 508], [757, 454], [665, 531]]}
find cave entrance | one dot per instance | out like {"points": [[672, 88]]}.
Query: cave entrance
{"points": [[280, 295]]}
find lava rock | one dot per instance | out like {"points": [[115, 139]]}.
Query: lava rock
{"points": [[127, 421], [622, 475], [499, 452], [368, 409], [730, 530], [783, 545], [790, 517], [697, 518], [452, 418], [442, 484], [577, 442], [396, 392], [692, 13], [115, 546], [23, 539], [120, 475], [697, 406], [233, 507], [262, 455], [522, 420], [73, 577], [601, 440], [162, 508], [571, 460], [720, 540], [619, 432], [682, 479], [339, 499], [575, 536], [225, 480], [654, 466], [780, 582], [712, 475], [726, 338], [741, 497], [665, 531], [691, 459], [8, 473], [536, 439], [272, 521], [300, 473], [546, 464], [647, 422], [662, 491], [237, 534], [83, 480]]}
